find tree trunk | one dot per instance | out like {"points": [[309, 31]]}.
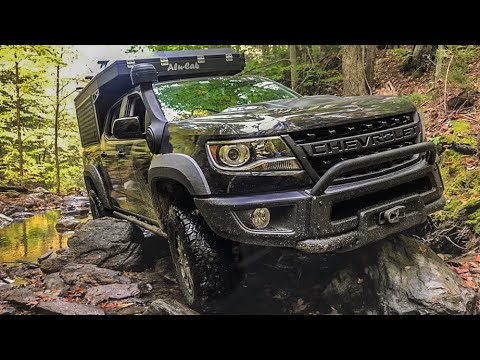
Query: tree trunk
{"points": [[18, 105], [370, 52], [418, 62], [57, 114], [353, 67], [293, 65]]}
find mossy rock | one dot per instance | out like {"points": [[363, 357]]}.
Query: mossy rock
{"points": [[461, 139]]}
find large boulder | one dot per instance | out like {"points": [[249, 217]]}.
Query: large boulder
{"points": [[66, 224], [109, 243], [400, 275], [54, 264]]}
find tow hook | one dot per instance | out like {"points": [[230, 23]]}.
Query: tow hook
{"points": [[392, 216]]}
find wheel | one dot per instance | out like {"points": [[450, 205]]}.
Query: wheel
{"points": [[203, 261], [96, 205]]}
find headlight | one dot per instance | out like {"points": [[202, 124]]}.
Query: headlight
{"points": [[262, 154]]}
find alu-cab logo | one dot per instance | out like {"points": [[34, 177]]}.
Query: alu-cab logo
{"points": [[186, 66]]}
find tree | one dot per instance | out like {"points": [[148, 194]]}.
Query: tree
{"points": [[419, 60], [22, 76], [353, 67], [358, 67], [292, 49]]}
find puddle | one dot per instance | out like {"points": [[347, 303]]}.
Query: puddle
{"points": [[32, 237]]}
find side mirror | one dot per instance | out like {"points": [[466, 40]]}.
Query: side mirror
{"points": [[127, 128]]}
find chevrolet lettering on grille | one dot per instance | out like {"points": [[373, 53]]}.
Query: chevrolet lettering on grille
{"points": [[359, 142]]}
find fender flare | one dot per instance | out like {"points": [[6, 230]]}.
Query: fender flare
{"points": [[93, 174], [180, 168]]}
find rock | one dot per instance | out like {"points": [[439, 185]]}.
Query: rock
{"points": [[168, 307], [12, 194], [400, 275], [76, 201], [55, 282], [65, 224], [38, 195], [28, 201], [45, 256], [56, 263], [102, 293], [20, 189], [109, 243], [21, 296], [41, 190], [21, 215], [89, 274], [61, 307], [5, 218], [14, 209], [6, 310], [73, 211], [54, 198]]}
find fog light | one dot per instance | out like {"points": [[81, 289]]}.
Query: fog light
{"points": [[261, 218]]}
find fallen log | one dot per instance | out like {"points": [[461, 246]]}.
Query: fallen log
{"points": [[20, 189]]}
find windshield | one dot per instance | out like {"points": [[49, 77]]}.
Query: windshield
{"points": [[201, 97]]}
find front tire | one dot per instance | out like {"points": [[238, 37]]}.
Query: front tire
{"points": [[203, 261], [96, 205]]}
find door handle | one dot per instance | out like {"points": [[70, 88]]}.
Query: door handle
{"points": [[120, 154], [103, 154]]}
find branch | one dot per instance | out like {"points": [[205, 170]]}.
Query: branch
{"points": [[446, 83]]}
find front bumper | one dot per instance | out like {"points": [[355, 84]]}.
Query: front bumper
{"points": [[332, 217]]}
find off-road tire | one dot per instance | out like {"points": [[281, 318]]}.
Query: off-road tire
{"points": [[208, 258], [96, 206]]}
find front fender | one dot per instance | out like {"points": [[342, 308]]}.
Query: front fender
{"points": [[180, 168], [93, 174]]}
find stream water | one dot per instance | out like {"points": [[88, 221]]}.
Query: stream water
{"points": [[32, 237]]}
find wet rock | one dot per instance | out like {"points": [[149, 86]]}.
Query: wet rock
{"points": [[399, 275], [21, 296], [73, 211], [55, 282], [168, 307], [102, 293], [60, 307], [76, 201], [14, 209], [21, 215], [109, 243], [5, 220], [28, 201], [56, 263], [7, 310], [54, 198], [40, 190], [89, 274], [45, 256], [66, 224], [38, 195]]}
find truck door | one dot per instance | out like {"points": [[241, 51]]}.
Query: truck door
{"points": [[137, 162], [112, 148]]}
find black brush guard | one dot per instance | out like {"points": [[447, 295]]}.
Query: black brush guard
{"points": [[354, 164]]}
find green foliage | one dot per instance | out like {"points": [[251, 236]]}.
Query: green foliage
{"points": [[400, 53], [461, 56], [418, 98], [36, 83]]}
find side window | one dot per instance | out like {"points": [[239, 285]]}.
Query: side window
{"points": [[112, 116], [135, 107]]}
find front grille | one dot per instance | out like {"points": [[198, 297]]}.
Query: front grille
{"points": [[326, 147], [357, 128]]}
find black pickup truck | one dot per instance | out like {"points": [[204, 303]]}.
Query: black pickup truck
{"points": [[185, 146]]}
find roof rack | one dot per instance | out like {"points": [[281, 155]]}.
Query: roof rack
{"points": [[114, 80]]}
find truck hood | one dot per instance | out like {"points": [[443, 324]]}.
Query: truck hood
{"points": [[308, 112]]}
